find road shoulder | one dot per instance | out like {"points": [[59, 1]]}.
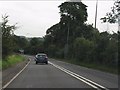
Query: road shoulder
{"points": [[9, 73]]}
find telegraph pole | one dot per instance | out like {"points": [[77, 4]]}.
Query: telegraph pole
{"points": [[0, 41], [119, 16], [96, 13], [67, 45], [68, 35]]}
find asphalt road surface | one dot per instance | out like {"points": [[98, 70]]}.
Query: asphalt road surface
{"points": [[59, 74]]}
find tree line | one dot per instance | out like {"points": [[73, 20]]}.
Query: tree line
{"points": [[12, 43], [71, 38]]}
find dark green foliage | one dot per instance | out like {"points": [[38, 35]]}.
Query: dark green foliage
{"points": [[74, 11], [119, 51], [29, 45], [35, 45], [83, 49], [13, 44], [112, 17], [73, 16], [7, 36], [72, 38], [107, 48], [20, 43]]}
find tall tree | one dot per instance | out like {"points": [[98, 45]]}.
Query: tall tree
{"points": [[73, 14], [73, 11], [7, 36], [112, 17], [20, 43]]}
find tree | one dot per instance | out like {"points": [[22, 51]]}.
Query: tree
{"points": [[73, 11], [119, 51], [73, 14], [83, 49], [36, 45], [7, 36], [112, 49], [112, 17], [21, 42]]}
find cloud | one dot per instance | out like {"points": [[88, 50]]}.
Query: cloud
{"points": [[35, 17]]}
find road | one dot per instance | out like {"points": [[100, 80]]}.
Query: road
{"points": [[58, 74]]}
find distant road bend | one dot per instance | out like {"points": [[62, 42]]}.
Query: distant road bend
{"points": [[58, 74]]}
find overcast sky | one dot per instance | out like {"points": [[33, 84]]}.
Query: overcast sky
{"points": [[35, 17]]}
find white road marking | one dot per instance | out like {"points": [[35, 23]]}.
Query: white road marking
{"points": [[15, 76], [81, 78]]}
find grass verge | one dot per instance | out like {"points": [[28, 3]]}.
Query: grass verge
{"points": [[10, 61], [105, 68]]}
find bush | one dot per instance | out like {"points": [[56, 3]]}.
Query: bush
{"points": [[83, 49], [12, 60]]}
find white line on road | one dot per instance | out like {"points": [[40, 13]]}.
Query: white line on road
{"points": [[81, 78], [15, 76]]}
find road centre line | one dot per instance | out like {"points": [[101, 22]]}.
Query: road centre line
{"points": [[79, 77], [84, 78], [16, 75]]}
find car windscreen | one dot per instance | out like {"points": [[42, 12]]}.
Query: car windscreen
{"points": [[41, 56]]}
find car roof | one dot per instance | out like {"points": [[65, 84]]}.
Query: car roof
{"points": [[41, 54]]}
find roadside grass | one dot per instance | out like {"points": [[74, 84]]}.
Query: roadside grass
{"points": [[96, 66], [11, 60], [0, 65]]}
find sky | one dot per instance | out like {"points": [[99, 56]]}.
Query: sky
{"points": [[35, 17]]}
